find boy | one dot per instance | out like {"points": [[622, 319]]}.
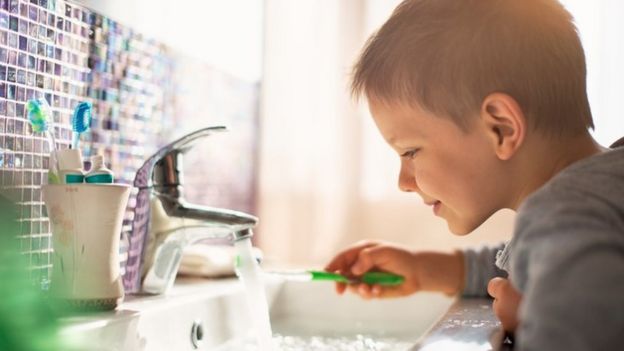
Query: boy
{"points": [[485, 103]]}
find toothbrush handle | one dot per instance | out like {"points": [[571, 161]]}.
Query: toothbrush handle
{"points": [[52, 139], [382, 278], [322, 275], [75, 140]]}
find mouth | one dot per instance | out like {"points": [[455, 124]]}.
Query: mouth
{"points": [[436, 206]]}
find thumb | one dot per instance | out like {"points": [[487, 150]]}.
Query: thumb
{"points": [[367, 259]]}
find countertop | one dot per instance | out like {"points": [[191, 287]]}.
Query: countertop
{"points": [[469, 324]]}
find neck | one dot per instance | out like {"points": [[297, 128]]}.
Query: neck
{"points": [[536, 167]]}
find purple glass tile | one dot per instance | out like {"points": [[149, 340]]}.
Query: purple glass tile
{"points": [[32, 46], [10, 129], [19, 110], [12, 39], [12, 57], [23, 27], [22, 59], [11, 92], [33, 13], [20, 95], [14, 6], [23, 43], [11, 109], [4, 20], [21, 76], [13, 23]]}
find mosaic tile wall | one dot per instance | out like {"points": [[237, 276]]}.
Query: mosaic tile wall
{"points": [[144, 94]]}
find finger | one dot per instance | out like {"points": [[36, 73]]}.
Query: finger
{"points": [[365, 291], [359, 289], [371, 257], [375, 291], [353, 288], [496, 308], [344, 259], [494, 286], [340, 288], [385, 292]]}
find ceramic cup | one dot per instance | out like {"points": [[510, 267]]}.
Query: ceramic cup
{"points": [[86, 222]]}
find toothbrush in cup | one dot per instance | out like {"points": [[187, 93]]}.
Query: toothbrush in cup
{"points": [[40, 118], [81, 120]]}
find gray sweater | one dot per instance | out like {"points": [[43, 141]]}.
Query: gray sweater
{"points": [[567, 259]]}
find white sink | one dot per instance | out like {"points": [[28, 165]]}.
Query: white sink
{"points": [[302, 310]]}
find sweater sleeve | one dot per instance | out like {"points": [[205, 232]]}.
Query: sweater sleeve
{"points": [[480, 267]]}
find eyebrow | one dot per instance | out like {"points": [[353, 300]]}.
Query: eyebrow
{"points": [[393, 141]]}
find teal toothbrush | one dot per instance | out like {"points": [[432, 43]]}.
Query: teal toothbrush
{"points": [[81, 120], [371, 278], [40, 117]]}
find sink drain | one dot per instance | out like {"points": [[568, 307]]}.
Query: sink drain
{"points": [[197, 334]]}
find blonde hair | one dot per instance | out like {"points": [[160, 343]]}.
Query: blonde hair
{"points": [[446, 56]]}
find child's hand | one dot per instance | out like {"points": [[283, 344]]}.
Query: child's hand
{"points": [[506, 302], [422, 271]]}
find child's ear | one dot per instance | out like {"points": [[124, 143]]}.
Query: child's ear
{"points": [[504, 122]]}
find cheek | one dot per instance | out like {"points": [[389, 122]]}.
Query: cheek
{"points": [[470, 173], [449, 179]]}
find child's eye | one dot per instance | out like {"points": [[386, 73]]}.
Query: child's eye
{"points": [[410, 153]]}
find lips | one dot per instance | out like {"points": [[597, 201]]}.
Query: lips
{"points": [[436, 206]]}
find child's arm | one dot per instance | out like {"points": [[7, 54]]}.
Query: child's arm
{"points": [[423, 271]]}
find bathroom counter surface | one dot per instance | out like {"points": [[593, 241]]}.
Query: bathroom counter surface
{"points": [[469, 324]]}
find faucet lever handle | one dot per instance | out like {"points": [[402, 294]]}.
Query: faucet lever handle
{"points": [[186, 142], [144, 175]]}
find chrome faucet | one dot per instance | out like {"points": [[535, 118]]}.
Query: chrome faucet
{"points": [[171, 223]]}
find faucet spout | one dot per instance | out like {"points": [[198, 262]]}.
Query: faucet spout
{"points": [[175, 206]]}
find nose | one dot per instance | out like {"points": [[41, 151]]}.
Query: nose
{"points": [[407, 180]]}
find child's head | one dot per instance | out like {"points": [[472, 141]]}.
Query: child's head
{"points": [[465, 77], [446, 56]]}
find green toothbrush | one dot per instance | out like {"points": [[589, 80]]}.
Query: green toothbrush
{"points": [[371, 278]]}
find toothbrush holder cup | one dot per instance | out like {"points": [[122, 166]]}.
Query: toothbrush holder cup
{"points": [[86, 221]]}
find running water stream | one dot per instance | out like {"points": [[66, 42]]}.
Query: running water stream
{"points": [[250, 274]]}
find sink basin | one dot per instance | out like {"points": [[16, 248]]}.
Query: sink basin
{"points": [[212, 315]]}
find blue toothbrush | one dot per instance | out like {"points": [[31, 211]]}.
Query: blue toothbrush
{"points": [[80, 121]]}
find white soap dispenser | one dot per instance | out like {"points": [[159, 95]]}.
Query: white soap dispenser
{"points": [[99, 173]]}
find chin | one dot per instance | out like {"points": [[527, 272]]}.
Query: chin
{"points": [[461, 228]]}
